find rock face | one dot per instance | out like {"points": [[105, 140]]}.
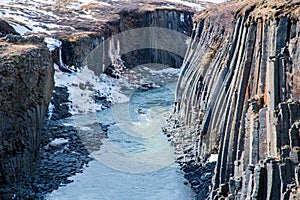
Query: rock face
{"points": [[6, 29], [238, 97], [76, 47], [26, 84]]}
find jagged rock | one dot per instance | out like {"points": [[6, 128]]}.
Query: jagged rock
{"points": [[239, 84], [26, 102], [60, 101], [6, 29], [76, 47]]}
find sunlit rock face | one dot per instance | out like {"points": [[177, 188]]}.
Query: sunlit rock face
{"points": [[238, 97]]}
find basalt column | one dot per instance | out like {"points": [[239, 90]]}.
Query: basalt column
{"points": [[26, 83], [238, 96]]}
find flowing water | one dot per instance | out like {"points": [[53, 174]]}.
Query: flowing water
{"points": [[136, 161]]}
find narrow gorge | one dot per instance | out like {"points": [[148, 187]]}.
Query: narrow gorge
{"points": [[80, 78]]}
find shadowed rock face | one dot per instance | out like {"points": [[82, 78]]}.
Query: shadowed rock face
{"points": [[238, 96], [76, 47], [26, 84], [5, 29]]}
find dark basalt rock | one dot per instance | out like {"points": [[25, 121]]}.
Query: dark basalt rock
{"points": [[61, 103], [6, 29], [238, 96], [52, 166], [26, 84], [76, 48], [200, 177]]}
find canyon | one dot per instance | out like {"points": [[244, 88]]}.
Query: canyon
{"points": [[237, 108]]}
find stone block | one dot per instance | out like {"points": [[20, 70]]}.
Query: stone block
{"points": [[294, 137]]}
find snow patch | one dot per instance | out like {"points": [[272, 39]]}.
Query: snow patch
{"points": [[58, 142], [182, 17], [50, 110], [197, 6], [80, 3], [83, 86], [52, 43], [19, 28], [213, 158]]}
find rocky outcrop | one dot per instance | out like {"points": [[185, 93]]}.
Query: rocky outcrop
{"points": [[83, 25], [238, 97], [76, 47], [6, 29], [26, 83]]}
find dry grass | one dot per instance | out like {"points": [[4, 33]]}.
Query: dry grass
{"points": [[91, 6], [262, 9], [8, 49]]}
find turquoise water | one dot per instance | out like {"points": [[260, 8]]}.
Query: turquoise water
{"points": [[136, 161]]}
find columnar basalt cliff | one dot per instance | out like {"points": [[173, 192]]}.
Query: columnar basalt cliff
{"points": [[76, 47], [238, 97], [26, 84]]}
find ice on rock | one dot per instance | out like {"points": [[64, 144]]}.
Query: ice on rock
{"points": [[52, 43], [58, 142]]}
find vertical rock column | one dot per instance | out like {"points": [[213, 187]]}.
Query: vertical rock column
{"points": [[26, 84], [247, 60]]}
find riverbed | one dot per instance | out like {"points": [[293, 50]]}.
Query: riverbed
{"points": [[136, 161]]}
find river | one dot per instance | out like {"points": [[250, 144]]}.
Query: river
{"points": [[136, 161]]}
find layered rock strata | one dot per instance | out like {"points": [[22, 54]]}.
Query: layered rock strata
{"points": [[238, 97]]}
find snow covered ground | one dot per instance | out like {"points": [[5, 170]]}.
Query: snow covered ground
{"points": [[51, 16], [198, 6]]}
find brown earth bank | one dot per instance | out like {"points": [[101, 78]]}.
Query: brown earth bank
{"points": [[238, 97]]}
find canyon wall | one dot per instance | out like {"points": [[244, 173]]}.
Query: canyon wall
{"points": [[136, 37], [27, 73], [76, 48], [26, 83], [238, 97]]}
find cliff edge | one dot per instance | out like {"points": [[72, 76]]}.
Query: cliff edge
{"points": [[238, 96], [26, 84]]}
